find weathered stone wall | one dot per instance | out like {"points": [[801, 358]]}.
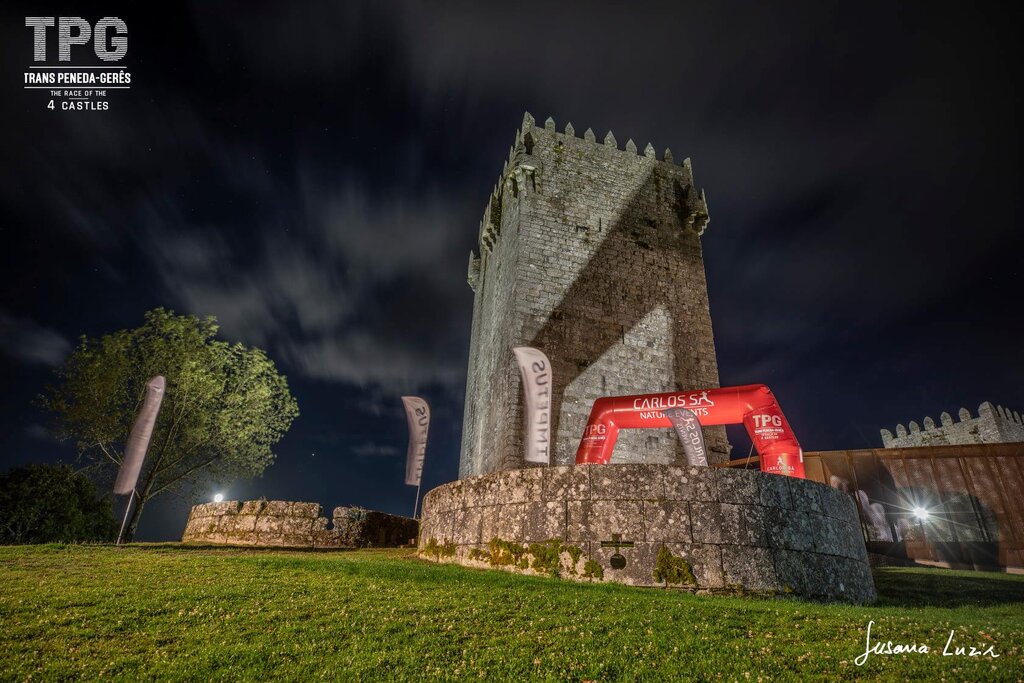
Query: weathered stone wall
{"points": [[361, 528], [994, 424], [733, 528], [296, 525], [592, 254]]}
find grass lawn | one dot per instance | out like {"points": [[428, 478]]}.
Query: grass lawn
{"points": [[164, 611]]}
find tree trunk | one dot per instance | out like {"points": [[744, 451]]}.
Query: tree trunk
{"points": [[133, 521]]}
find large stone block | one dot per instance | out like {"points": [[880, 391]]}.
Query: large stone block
{"points": [[547, 521], [831, 577], [755, 525], [310, 510], [850, 540], [789, 529], [856, 547], [245, 524], [438, 527], [858, 583], [838, 504], [296, 526], [752, 568], [738, 486], [516, 486], [475, 491], [597, 520], [466, 525], [566, 483], [227, 507], [774, 491], [626, 482], [705, 562], [253, 507], [791, 569], [716, 522], [359, 528], [639, 563], [454, 497], [507, 522], [667, 521], [268, 525], [690, 483], [277, 508], [826, 533], [322, 538], [804, 495]]}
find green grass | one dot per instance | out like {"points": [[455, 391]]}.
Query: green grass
{"points": [[85, 612]]}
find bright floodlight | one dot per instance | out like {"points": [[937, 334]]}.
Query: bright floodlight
{"points": [[218, 498], [921, 514]]}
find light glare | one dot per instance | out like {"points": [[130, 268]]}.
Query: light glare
{"points": [[921, 514], [218, 498]]}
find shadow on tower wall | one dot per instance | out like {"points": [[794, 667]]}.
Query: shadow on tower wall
{"points": [[649, 258]]}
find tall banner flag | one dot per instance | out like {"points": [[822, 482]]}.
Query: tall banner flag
{"points": [[687, 426], [535, 369], [138, 444], [138, 438], [417, 414]]}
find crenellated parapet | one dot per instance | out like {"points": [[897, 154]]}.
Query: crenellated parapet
{"points": [[519, 172], [993, 424]]}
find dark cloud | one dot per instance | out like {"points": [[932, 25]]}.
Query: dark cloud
{"points": [[315, 288], [28, 342], [38, 432]]}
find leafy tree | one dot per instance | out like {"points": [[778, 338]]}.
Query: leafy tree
{"points": [[48, 503], [224, 407]]}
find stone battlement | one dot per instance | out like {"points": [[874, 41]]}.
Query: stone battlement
{"points": [[279, 523], [994, 424], [519, 175]]}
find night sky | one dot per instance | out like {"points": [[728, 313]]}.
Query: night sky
{"points": [[314, 175]]}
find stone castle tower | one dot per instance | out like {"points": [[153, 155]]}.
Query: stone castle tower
{"points": [[592, 254]]}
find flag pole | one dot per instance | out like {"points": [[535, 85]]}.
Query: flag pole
{"points": [[127, 509], [416, 505]]}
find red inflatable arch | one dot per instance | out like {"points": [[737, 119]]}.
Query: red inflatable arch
{"points": [[753, 405]]}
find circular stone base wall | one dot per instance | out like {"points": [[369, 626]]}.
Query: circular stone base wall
{"points": [[722, 530]]}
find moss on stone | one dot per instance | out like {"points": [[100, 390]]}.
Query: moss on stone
{"points": [[672, 570], [593, 570], [504, 553], [546, 556], [438, 550]]}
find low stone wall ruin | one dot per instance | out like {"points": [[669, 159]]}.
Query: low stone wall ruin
{"points": [[278, 523], [700, 528]]}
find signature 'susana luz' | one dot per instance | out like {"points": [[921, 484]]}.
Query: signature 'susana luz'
{"points": [[890, 648]]}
